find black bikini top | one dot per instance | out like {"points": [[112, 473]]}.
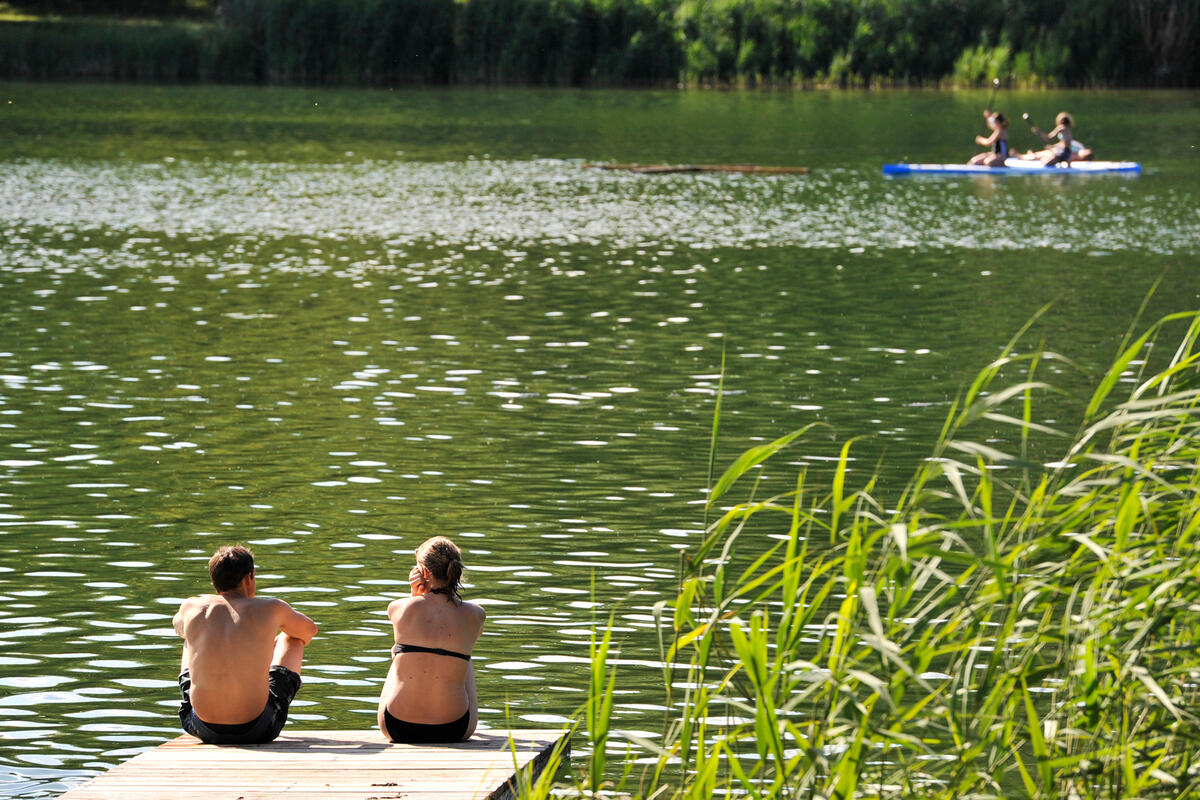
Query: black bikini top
{"points": [[437, 651]]}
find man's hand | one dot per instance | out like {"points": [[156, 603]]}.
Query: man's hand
{"points": [[416, 580]]}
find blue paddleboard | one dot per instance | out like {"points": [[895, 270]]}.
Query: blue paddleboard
{"points": [[1016, 166]]}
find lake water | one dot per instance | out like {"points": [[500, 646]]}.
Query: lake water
{"points": [[330, 324]]}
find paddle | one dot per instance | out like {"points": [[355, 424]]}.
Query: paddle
{"points": [[992, 99], [1033, 128], [988, 107]]}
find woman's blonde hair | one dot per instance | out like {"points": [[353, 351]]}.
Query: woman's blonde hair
{"points": [[443, 559]]}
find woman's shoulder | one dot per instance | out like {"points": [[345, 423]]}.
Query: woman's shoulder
{"points": [[475, 613], [399, 605]]}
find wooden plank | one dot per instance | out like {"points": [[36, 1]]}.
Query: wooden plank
{"points": [[663, 169], [338, 765]]}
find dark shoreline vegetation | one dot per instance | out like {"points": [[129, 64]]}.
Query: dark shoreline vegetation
{"points": [[844, 43], [1012, 625]]}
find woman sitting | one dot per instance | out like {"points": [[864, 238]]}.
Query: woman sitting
{"points": [[429, 695], [998, 141]]}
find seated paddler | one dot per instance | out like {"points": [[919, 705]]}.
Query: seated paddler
{"points": [[429, 696], [241, 655]]}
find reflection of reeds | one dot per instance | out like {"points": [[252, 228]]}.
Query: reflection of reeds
{"points": [[1003, 629]]}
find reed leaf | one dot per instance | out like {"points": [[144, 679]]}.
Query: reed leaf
{"points": [[599, 705], [751, 458]]}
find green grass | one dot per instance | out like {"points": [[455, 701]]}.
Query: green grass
{"points": [[1009, 625]]}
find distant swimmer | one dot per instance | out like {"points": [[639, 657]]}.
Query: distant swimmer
{"points": [[241, 656], [997, 141]]}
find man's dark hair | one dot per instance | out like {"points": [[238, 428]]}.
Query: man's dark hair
{"points": [[229, 566]]}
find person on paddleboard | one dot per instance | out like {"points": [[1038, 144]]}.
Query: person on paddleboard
{"points": [[1065, 150], [997, 141], [1059, 152]]}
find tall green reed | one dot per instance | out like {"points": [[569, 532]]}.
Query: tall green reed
{"points": [[1011, 625]]}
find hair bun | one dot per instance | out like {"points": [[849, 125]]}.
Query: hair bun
{"points": [[443, 558]]}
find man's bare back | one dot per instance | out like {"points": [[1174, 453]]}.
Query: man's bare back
{"points": [[229, 641], [241, 655]]}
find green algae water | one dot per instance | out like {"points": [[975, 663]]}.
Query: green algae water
{"points": [[330, 324]]}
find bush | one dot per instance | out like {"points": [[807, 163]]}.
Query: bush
{"points": [[978, 66]]}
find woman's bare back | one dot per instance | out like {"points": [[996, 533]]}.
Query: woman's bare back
{"points": [[432, 688]]}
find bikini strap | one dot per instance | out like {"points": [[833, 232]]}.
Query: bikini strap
{"points": [[398, 648], [451, 593]]}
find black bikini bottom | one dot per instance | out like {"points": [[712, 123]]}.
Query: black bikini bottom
{"points": [[403, 732]]}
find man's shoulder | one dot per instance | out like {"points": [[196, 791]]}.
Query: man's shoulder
{"points": [[193, 612], [262, 611], [268, 604], [200, 601]]}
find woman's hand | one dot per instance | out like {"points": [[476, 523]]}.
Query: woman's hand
{"points": [[416, 580]]}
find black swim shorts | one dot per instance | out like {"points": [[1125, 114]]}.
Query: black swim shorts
{"points": [[283, 685]]}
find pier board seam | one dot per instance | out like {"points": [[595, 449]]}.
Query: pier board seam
{"points": [[331, 765]]}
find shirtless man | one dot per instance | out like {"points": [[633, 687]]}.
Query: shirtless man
{"points": [[241, 656]]}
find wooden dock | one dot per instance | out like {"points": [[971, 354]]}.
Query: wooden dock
{"points": [[330, 765], [663, 169]]}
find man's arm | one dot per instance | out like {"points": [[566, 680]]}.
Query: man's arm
{"points": [[295, 624], [178, 622]]}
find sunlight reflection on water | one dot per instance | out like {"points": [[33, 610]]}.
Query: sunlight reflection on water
{"points": [[486, 205]]}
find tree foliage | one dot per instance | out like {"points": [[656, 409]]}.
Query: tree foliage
{"points": [[622, 42]]}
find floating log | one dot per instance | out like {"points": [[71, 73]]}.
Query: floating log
{"points": [[662, 169], [327, 765]]}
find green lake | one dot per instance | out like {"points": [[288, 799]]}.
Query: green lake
{"points": [[332, 323]]}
